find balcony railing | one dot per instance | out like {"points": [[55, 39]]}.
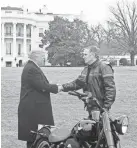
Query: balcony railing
{"points": [[8, 53], [28, 35], [19, 34], [8, 34], [20, 54]]}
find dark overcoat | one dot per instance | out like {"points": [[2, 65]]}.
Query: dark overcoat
{"points": [[35, 104]]}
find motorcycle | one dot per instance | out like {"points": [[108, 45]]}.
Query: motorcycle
{"points": [[87, 133]]}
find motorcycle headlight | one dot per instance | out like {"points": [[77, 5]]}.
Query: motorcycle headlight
{"points": [[121, 124]]}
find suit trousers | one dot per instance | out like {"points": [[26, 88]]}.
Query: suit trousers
{"points": [[29, 144]]}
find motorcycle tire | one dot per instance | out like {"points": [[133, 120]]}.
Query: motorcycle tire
{"points": [[106, 146], [118, 145], [42, 143]]}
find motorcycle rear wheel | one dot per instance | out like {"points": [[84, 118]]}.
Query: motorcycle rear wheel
{"points": [[42, 143]]}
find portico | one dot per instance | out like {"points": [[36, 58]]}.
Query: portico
{"points": [[17, 39]]}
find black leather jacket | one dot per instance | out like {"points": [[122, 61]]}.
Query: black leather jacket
{"points": [[99, 81]]}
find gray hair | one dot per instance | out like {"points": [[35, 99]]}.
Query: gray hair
{"points": [[33, 55]]}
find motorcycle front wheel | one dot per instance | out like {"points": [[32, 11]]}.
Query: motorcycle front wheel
{"points": [[118, 145], [106, 146], [42, 143]]}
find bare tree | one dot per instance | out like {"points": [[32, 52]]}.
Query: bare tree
{"points": [[97, 34], [108, 34], [124, 23]]}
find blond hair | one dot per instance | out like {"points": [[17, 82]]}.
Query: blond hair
{"points": [[94, 49]]}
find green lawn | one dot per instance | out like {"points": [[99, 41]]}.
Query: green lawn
{"points": [[67, 109]]}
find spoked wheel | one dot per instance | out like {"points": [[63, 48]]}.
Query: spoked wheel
{"points": [[106, 146], [42, 143], [85, 145]]}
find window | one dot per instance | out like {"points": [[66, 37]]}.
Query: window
{"points": [[8, 48], [40, 46], [20, 12], [19, 32], [8, 64], [8, 11], [19, 49], [40, 32], [29, 48], [8, 30], [29, 32]]}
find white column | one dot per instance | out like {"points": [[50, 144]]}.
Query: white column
{"points": [[32, 37], [14, 40], [46, 57], [117, 62], [135, 61], [2, 46], [2, 50], [25, 45], [14, 45]]}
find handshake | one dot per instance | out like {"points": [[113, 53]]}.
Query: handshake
{"points": [[60, 88]]}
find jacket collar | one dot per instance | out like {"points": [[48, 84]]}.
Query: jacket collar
{"points": [[33, 63], [94, 64]]}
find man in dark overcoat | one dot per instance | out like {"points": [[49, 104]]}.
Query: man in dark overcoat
{"points": [[35, 104]]}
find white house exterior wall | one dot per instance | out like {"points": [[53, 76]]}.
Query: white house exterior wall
{"points": [[16, 19]]}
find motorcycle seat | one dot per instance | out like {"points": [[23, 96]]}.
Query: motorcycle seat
{"points": [[59, 135]]}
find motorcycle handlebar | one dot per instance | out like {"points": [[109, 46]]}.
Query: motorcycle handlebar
{"points": [[80, 95]]}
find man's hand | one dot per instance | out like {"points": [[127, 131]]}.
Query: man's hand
{"points": [[60, 88]]}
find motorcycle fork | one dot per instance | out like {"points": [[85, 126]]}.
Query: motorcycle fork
{"points": [[98, 129], [99, 138]]}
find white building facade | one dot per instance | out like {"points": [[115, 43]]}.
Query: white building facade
{"points": [[117, 58], [21, 32]]}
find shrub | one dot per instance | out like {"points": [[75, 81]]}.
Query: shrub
{"points": [[124, 61]]}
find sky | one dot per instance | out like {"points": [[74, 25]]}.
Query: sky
{"points": [[94, 11]]}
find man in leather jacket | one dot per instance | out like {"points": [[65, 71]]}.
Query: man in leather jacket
{"points": [[97, 78]]}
